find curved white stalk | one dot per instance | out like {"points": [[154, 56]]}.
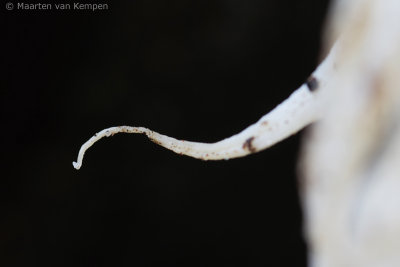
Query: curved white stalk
{"points": [[300, 109]]}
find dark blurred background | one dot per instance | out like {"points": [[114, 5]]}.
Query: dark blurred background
{"points": [[198, 70]]}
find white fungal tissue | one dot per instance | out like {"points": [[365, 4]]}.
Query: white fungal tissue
{"points": [[303, 107], [350, 167], [350, 162]]}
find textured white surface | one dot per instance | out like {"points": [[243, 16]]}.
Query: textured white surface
{"points": [[350, 163], [300, 109]]}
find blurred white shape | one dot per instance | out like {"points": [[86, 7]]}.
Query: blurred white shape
{"points": [[351, 157]]}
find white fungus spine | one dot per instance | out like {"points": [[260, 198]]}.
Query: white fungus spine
{"points": [[303, 107]]}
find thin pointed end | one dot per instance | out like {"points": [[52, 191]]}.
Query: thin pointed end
{"points": [[76, 165]]}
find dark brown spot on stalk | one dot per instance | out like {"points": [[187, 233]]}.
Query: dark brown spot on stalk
{"points": [[312, 84], [248, 145]]}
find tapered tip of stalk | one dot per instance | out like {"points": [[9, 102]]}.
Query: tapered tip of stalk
{"points": [[76, 165]]}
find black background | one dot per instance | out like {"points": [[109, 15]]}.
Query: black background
{"points": [[198, 70]]}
